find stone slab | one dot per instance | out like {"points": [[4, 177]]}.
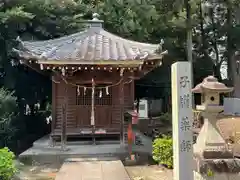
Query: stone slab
{"points": [[230, 166], [41, 153], [92, 170]]}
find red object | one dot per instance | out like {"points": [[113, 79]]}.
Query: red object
{"points": [[135, 117], [130, 138], [130, 134]]}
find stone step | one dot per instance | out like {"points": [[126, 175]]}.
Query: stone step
{"points": [[92, 170], [43, 153], [47, 144]]}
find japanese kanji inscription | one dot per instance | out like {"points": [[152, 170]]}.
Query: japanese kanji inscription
{"points": [[182, 121]]}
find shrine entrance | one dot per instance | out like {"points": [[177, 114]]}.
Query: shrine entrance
{"points": [[102, 107]]}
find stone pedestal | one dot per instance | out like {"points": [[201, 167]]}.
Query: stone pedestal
{"points": [[210, 143], [216, 169]]}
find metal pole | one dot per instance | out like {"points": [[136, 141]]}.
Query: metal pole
{"points": [[93, 111]]}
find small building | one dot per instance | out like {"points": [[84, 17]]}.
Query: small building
{"points": [[93, 73]]}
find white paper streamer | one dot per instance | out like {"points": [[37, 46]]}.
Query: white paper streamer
{"points": [[107, 92]]}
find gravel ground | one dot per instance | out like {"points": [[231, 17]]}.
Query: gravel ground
{"points": [[149, 173]]}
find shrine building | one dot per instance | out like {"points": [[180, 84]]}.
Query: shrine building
{"points": [[93, 73]]}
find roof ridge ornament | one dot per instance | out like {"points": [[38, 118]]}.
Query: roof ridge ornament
{"points": [[159, 49], [95, 16], [96, 22]]}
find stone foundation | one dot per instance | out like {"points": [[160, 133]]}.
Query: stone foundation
{"points": [[208, 154], [216, 176], [216, 169]]}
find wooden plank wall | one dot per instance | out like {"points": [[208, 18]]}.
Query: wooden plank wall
{"points": [[129, 95], [71, 98], [58, 101]]}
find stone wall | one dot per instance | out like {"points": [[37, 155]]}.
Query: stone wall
{"points": [[216, 169], [216, 176]]}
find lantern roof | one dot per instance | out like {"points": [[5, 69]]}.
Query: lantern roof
{"points": [[211, 83], [93, 45]]}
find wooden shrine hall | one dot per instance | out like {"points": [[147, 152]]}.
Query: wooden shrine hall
{"points": [[93, 73]]}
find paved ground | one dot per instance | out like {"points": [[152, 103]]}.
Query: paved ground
{"points": [[149, 173], [49, 172], [93, 170]]}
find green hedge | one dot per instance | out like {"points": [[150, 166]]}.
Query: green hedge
{"points": [[163, 151], [7, 166]]}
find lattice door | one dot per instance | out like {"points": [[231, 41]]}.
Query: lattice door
{"points": [[102, 105]]}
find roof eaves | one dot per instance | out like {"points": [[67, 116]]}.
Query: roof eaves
{"points": [[99, 62]]}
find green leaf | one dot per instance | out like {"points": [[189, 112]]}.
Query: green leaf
{"points": [[14, 14], [163, 151]]}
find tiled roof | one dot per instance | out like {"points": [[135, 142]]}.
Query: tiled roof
{"points": [[90, 45]]}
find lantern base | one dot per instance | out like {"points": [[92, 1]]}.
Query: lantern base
{"points": [[214, 154]]}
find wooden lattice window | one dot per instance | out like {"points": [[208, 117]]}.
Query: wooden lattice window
{"points": [[86, 98]]}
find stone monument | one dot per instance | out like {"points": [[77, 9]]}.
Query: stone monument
{"points": [[212, 158], [182, 115]]}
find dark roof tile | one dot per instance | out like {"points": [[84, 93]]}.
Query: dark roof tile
{"points": [[90, 45]]}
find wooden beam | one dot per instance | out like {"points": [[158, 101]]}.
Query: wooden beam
{"points": [[93, 112], [97, 62], [34, 68], [64, 119], [121, 104], [53, 123]]}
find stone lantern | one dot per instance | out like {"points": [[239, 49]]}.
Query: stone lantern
{"points": [[210, 143]]}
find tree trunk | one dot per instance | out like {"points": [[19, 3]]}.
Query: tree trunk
{"points": [[204, 45], [215, 45], [233, 75], [189, 30], [216, 70], [189, 40]]}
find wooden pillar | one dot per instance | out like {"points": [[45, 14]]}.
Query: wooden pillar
{"points": [[93, 112], [52, 141], [64, 118], [121, 104]]}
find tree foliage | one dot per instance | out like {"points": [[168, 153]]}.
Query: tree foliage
{"points": [[7, 167], [8, 112], [163, 151]]}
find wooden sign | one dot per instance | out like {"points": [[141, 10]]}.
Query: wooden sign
{"points": [[86, 131], [182, 118], [100, 131]]}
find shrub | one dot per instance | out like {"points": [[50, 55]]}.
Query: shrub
{"points": [[166, 118], [163, 151], [7, 167]]}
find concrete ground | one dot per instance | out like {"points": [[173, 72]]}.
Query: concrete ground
{"points": [[42, 162], [43, 154], [49, 172], [153, 172]]}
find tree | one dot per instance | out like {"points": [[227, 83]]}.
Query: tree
{"points": [[34, 19], [8, 112]]}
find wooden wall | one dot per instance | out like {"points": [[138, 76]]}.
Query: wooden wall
{"points": [[79, 116]]}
